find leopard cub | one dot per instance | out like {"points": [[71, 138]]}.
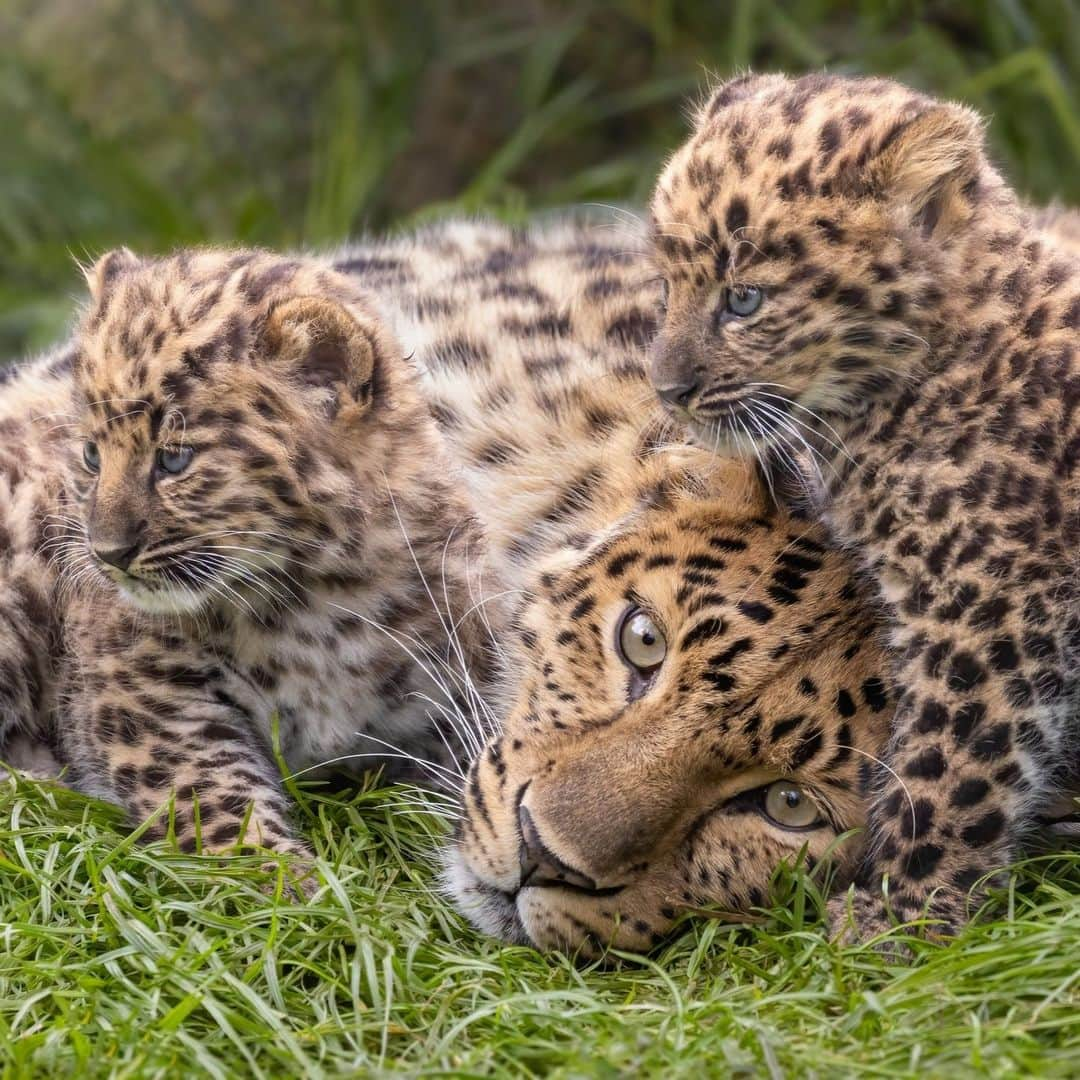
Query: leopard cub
{"points": [[852, 285], [227, 511]]}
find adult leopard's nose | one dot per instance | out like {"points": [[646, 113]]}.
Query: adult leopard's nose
{"points": [[539, 865]]}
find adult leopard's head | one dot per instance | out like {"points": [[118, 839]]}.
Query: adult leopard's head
{"points": [[811, 236], [698, 697], [231, 420]]}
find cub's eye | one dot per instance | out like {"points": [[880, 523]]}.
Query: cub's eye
{"points": [[174, 461], [91, 457], [641, 644], [743, 300], [789, 806]]}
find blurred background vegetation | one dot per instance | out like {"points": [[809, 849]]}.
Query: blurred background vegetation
{"points": [[162, 122]]}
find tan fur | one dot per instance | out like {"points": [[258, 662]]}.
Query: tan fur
{"points": [[530, 349]]}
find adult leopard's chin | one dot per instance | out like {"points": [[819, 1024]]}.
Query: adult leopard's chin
{"points": [[488, 908]]}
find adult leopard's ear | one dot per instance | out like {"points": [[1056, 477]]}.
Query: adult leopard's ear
{"points": [[103, 274], [926, 167], [731, 483], [327, 351]]}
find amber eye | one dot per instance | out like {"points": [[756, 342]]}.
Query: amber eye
{"points": [[743, 300], [91, 457], [172, 462], [789, 806], [641, 644]]}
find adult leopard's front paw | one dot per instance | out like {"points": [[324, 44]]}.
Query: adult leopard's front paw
{"points": [[858, 917], [863, 917]]}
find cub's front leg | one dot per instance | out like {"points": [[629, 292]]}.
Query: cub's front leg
{"points": [[975, 755], [163, 720]]}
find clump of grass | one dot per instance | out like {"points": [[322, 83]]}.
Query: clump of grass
{"points": [[124, 959]]}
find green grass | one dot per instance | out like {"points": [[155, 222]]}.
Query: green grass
{"points": [[121, 959]]}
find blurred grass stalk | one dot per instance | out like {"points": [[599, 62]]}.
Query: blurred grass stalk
{"points": [[287, 124]]}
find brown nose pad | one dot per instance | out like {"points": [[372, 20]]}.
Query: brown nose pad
{"points": [[539, 866], [120, 557], [678, 393]]}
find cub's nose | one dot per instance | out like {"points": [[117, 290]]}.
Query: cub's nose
{"points": [[539, 865], [120, 557], [679, 393]]}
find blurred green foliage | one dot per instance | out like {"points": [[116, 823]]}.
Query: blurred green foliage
{"points": [[280, 122]]}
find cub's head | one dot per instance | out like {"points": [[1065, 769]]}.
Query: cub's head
{"points": [[227, 405], [698, 697], [809, 233]]}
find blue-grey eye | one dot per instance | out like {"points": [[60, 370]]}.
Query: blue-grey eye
{"points": [[91, 457], [743, 300], [174, 461]]}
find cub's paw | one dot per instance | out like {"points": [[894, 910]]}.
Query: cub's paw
{"points": [[863, 917], [31, 760], [858, 917], [287, 867]]}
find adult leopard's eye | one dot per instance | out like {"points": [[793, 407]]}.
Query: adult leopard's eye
{"points": [[743, 300], [789, 806], [91, 457], [641, 644], [174, 461]]}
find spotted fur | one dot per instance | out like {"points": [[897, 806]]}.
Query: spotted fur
{"points": [[605, 809], [913, 367], [529, 351], [161, 621]]}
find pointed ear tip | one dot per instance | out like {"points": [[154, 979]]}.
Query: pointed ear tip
{"points": [[733, 481], [308, 307], [120, 255], [106, 266], [720, 93], [953, 122]]}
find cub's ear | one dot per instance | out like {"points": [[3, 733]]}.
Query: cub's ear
{"points": [[926, 164], [720, 95], [101, 275], [326, 350]]}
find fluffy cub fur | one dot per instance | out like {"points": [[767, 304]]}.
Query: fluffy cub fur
{"points": [[852, 284], [221, 507]]}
